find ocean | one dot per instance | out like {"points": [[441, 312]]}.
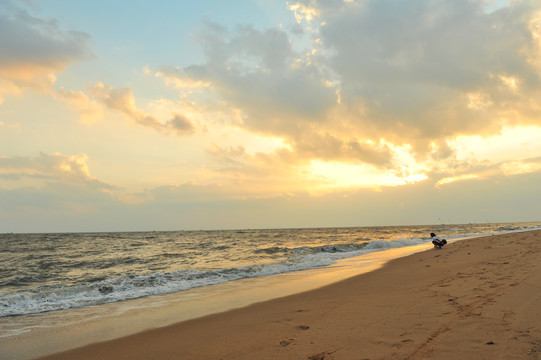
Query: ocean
{"points": [[50, 272]]}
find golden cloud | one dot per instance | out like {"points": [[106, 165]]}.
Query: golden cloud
{"points": [[123, 101]]}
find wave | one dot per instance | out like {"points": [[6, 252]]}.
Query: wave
{"points": [[50, 298]]}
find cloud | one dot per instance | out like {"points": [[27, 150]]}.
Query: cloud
{"points": [[380, 78], [89, 110], [123, 101], [258, 72], [278, 91], [427, 70], [190, 206], [330, 148], [34, 49], [180, 124], [418, 70], [49, 191], [49, 169]]}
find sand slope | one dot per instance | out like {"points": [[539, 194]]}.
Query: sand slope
{"points": [[473, 299]]}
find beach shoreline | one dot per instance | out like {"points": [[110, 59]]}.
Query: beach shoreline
{"points": [[480, 293], [57, 331]]}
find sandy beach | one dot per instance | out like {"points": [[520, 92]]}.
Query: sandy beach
{"points": [[473, 299]]}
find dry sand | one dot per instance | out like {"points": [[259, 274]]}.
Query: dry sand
{"points": [[473, 299]]}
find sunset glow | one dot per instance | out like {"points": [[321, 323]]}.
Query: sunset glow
{"points": [[184, 114]]}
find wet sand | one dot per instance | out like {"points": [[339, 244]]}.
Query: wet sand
{"points": [[473, 299]]}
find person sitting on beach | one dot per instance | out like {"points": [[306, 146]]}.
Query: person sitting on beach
{"points": [[438, 243]]}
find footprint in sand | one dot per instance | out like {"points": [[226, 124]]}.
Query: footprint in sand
{"points": [[401, 343], [287, 342], [320, 356]]}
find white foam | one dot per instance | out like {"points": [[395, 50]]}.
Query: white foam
{"points": [[44, 299], [130, 287]]}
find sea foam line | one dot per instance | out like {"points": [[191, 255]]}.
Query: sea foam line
{"points": [[133, 286]]}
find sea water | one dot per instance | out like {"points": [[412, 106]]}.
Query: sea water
{"points": [[49, 272], [61, 291]]}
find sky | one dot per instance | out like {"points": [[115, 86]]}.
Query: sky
{"points": [[134, 115]]}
